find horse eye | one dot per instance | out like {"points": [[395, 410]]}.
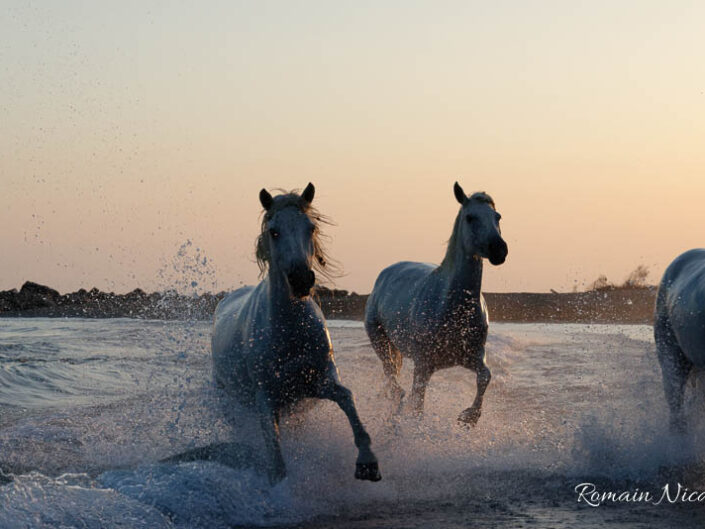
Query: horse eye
{"points": [[469, 218], [274, 233]]}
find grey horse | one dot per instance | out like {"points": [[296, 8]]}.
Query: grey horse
{"points": [[436, 315], [270, 343], [679, 327]]}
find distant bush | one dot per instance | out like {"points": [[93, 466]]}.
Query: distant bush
{"points": [[601, 283], [637, 278]]}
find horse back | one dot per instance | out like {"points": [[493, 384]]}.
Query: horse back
{"points": [[396, 289], [226, 316], [226, 341], [406, 304]]}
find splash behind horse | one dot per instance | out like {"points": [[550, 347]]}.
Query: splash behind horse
{"points": [[436, 315], [679, 327], [270, 343]]}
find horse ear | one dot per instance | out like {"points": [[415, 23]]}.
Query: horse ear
{"points": [[265, 199], [459, 193], [308, 193]]}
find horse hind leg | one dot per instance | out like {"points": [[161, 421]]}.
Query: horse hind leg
{"points": [[391, 360], [675, 368], [422, 375]]}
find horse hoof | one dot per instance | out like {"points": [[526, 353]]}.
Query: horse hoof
{"points": [[470, 416], [368, 471]]}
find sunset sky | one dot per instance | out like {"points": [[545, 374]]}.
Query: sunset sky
{"points": [[128, 129]]}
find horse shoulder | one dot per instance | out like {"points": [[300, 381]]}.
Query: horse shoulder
{"points": [[312, 330]]}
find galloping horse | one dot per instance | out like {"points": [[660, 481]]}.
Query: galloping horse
{"points": [[270, 343], [435, 315], [679, 327]]}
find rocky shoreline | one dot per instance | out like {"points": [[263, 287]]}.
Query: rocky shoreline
{"points": [[610, 305]]}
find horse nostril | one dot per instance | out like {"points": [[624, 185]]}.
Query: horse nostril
{"points": [[301, 281], [498, 252]]}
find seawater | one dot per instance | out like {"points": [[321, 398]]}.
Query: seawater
{"points": [[88, 408]]}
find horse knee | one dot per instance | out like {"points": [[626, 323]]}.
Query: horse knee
{"points": [[484, 376], [344, 394]]}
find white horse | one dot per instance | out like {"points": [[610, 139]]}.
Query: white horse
{"points": [[679, 327], [270, 343], [435, 315]]}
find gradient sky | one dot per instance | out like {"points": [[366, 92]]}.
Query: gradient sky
{"points": [[128, 129]]}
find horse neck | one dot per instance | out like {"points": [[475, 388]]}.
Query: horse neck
{"points": [[462, 274], [278, 289], [279, 294]]}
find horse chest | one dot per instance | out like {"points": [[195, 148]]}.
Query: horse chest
{"points": [[454, 338], [297, 355], [292, 365]]}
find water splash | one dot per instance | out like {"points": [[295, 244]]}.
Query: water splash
{"points": [[189, 272]]}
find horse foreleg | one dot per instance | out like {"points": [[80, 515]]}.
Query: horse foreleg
{"points": [[269, 422], [675, 368], [472, 414], [366, 466]]}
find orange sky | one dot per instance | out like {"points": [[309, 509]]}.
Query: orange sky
{"points": [[127, 131]]}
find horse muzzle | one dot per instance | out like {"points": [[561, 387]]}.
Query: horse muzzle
{"points": [[301, 282], [497, 252]]}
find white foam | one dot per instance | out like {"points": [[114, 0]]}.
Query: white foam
{"points": [[207, 495], [37, 501]]}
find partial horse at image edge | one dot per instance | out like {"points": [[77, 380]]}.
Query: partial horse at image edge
{"points": [[679, 328]]}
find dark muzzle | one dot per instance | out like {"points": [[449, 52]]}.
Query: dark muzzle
{"points": [[301, 281], [498, 251]]}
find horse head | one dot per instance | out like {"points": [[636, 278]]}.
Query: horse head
{"points": [[288, 243], [478, 226]]}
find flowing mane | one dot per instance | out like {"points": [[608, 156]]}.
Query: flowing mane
{"points": [[323, 264]]}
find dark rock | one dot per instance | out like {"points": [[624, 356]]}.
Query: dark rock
{"points": [[8, 300], [33, 295]]}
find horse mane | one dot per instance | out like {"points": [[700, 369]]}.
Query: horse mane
{"points": [[482, 197], [479, 196], [323, 264]]}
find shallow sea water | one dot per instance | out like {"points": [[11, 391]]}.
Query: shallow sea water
{"points": [[88, 408]]}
